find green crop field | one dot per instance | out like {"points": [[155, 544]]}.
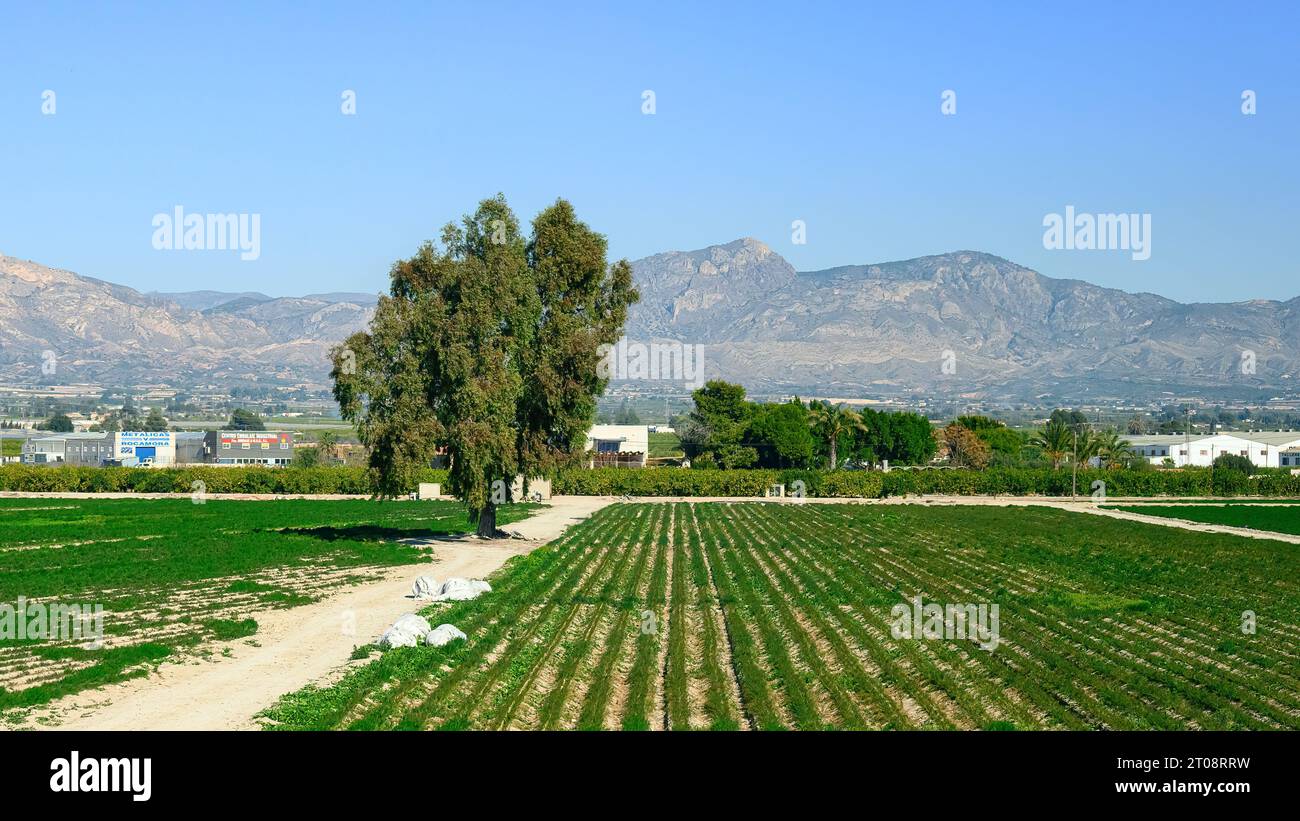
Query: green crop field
{"points": [[664, 445], [751, 616], [171, 574], [1277, 518]]}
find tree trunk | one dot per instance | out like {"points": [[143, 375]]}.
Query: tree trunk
{"points": [[487, 521], [833, 453]]}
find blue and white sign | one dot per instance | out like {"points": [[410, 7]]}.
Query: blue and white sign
{"points": [[152, 439]]}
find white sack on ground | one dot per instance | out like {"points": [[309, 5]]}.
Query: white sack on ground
{"points": [[443, 634], [405, 632], [458, 589], [424, 587]]}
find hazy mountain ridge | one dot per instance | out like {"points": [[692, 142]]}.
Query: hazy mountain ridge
{"points": [[108, 333], [878, 329], [1013, 333]]}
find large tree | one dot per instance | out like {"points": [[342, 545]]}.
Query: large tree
{"points": [[487, 346]]}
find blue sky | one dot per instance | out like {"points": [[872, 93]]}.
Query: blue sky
{"points": [[765, 113]]}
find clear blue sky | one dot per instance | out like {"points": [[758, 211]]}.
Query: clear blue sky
{"points": [[766, 113]]}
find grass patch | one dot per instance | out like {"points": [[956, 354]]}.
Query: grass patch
{"points": [[226, 629], [156, 564], [1256, 516]]}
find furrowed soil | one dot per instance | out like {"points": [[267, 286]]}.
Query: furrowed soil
{"points": [[743, 615]]}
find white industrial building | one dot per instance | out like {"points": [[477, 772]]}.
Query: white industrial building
{"points": [[128, 448], [1262, 448]]}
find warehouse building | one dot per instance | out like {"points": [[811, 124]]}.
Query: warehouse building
{"points": [[124, 448], [1263, 448], [87, 449], [272, 448]]}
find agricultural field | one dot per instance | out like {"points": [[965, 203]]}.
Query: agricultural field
{"points": [[664, 445], [172, 575], [752, 616], [1277, 518]]}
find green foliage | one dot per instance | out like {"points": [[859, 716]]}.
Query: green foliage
{"points": [[1056, 440], [242, 419], [995, 481], [227, 629], [243, 479], [626, 415], [165, 567], [488, 347], [58, 423], [781, 435], [796, 602], [154, 421], [832, 424], [1234, 461], [1280, 519]]}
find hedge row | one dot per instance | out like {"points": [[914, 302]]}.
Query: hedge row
{"points": [[243, 479], [874, 484], [674, 482]]}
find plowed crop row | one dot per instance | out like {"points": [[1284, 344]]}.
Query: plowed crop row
{"points": [[754, 616]]}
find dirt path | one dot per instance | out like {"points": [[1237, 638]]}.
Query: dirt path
{"points": [[293, 647]]}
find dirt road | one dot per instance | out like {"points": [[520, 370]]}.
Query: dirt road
{"points": [[293, 647]]}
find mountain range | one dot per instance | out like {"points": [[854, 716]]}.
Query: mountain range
{"points": [[963, 324]]}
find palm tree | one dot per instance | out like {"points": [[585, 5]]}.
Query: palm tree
{"points": [[831, 422], [1057, 442], [1087, 445], [1112, 449], [327, 446]]}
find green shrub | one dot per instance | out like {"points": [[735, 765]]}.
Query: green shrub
{"points": [[192, 478], [996, 481]]}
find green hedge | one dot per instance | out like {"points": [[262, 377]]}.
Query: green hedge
{"points": [[875, 484], [675, 481], [243, 479]]}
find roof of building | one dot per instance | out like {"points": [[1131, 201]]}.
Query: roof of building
{"points": [[54, 436], [1276, 438], [1162, 438]]}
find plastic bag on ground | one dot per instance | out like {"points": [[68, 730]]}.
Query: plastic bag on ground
{"points": [[405, 632], [424, 587], [443, 634], [458, 589]]}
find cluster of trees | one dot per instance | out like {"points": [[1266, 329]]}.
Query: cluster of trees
{"points": [[725, 430], [242, 419], [58, 423], [129, 418], [981, 441], [1065, 440], [625, 415], [325, 452]]}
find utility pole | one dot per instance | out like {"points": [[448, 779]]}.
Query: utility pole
{"points": [[1074, 477]]}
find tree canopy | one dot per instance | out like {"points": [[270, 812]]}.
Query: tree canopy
{"points": [[487, 345], [242, 419]]}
